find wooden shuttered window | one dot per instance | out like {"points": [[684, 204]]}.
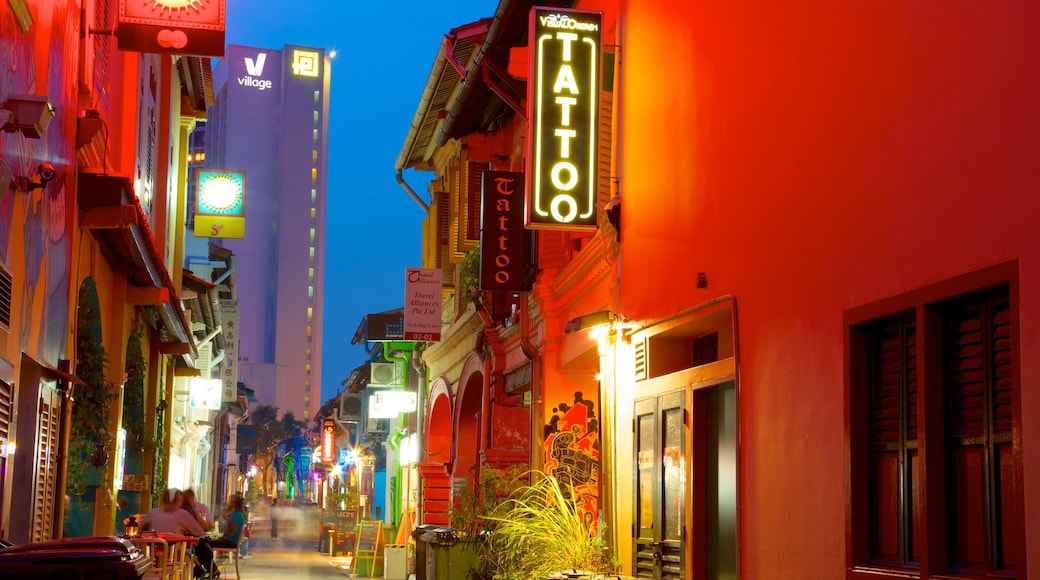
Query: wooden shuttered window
{"points": [[894, 459], [467, 230], [969, 377], [6, 417], [44, 492], [981, 461], [437, 232]]}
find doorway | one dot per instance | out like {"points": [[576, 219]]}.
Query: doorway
{"points": [[715, 481]]}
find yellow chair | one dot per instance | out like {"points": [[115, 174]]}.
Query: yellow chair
{"points": [[159, 551]]}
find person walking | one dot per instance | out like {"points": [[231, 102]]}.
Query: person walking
{"points": [[275, 516]]}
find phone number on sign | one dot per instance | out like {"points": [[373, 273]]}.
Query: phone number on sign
{"points": [[422, 336]]}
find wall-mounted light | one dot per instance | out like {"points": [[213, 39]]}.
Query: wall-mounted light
{"points": [[29, 114], [588, 321]]}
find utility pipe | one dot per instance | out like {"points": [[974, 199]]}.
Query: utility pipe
{"points": [[411, 192]]}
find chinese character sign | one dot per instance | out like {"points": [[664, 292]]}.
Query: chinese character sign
{"points": [[229, 374]]}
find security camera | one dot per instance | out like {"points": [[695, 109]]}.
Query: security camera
{"points": [[47, 172]]}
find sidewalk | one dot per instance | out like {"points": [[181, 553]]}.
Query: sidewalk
{"points": [[291, 561]]}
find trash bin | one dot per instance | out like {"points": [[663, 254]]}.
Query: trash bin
{"points": [[96, 558], [450, 556], [418, 534], [395, 562]]}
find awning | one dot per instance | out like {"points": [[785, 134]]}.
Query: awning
{"points": [[110, 210]]}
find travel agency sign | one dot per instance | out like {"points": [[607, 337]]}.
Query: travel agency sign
{"points": [[563, 97]]}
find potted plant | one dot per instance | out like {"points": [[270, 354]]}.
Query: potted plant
{"points": [[538, 532]]}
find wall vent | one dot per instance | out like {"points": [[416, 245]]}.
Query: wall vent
{"points": [[640, 361], [6, 286]]}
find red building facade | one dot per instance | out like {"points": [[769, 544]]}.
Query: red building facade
{"points": [[802, 327]]}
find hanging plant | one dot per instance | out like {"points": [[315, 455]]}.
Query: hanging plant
{"points": [[91, 439], [469, 276]]}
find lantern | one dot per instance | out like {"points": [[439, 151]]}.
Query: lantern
{"points": [[131, 529]]}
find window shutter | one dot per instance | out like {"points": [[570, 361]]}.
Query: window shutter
{"points": [[46, 464], [982, 461], [893, 441], [475, 180]]}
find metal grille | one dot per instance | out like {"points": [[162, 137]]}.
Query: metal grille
{"points": [[6, 286]]}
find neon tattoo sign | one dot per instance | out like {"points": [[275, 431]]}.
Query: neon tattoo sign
{"points": [[564, 119]]}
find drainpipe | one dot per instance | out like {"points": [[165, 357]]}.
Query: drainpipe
{"points": [[224, 276], [504, 8], [449, 53], [405, 362], [411, 192], [493, 84], [491, 334]]}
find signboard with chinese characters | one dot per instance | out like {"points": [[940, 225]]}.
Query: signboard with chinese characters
{"points": [[188, 27], [229, 372], [422, 304], [220, 208], [504, 240], [563, 102]]}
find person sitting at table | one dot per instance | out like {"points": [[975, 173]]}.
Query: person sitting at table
{"points": [[169, 518], [197, 509], [231, 530]]}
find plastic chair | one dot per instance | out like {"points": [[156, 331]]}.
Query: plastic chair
{"points": [[220, 552]]}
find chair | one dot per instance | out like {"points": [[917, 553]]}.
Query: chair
{"points": [[220, 552], [180, 562], [159, 551]]}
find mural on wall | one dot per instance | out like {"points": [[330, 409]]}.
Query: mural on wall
{"points": [[46, 233], [572, 452]]}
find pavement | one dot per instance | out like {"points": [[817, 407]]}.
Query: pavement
{"points": [[288, 560]]}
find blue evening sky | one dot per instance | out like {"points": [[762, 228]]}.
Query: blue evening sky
{"points": [[373, 228]]}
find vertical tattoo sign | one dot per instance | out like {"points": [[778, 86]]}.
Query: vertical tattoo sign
{"points": [[563, 96], [503, 239]]}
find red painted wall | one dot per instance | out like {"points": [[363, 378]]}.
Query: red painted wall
{"points": [[812, 157]]}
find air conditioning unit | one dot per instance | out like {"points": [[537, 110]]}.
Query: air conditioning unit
{"points": [[377, 426], [384, 375], [350, 407]]}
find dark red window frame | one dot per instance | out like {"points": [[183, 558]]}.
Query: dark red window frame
{"points": [[932, 408]]}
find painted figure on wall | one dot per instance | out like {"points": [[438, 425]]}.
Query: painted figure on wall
{"points": [[46, 245], [572, 453]]}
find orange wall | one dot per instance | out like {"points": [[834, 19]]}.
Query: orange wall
{"points": [[818, 156]]}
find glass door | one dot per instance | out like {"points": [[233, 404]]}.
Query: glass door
{"points": [[660, 486]]}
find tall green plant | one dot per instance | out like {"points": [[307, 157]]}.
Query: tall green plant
{"points": [[92, 403], [539, 531]]}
